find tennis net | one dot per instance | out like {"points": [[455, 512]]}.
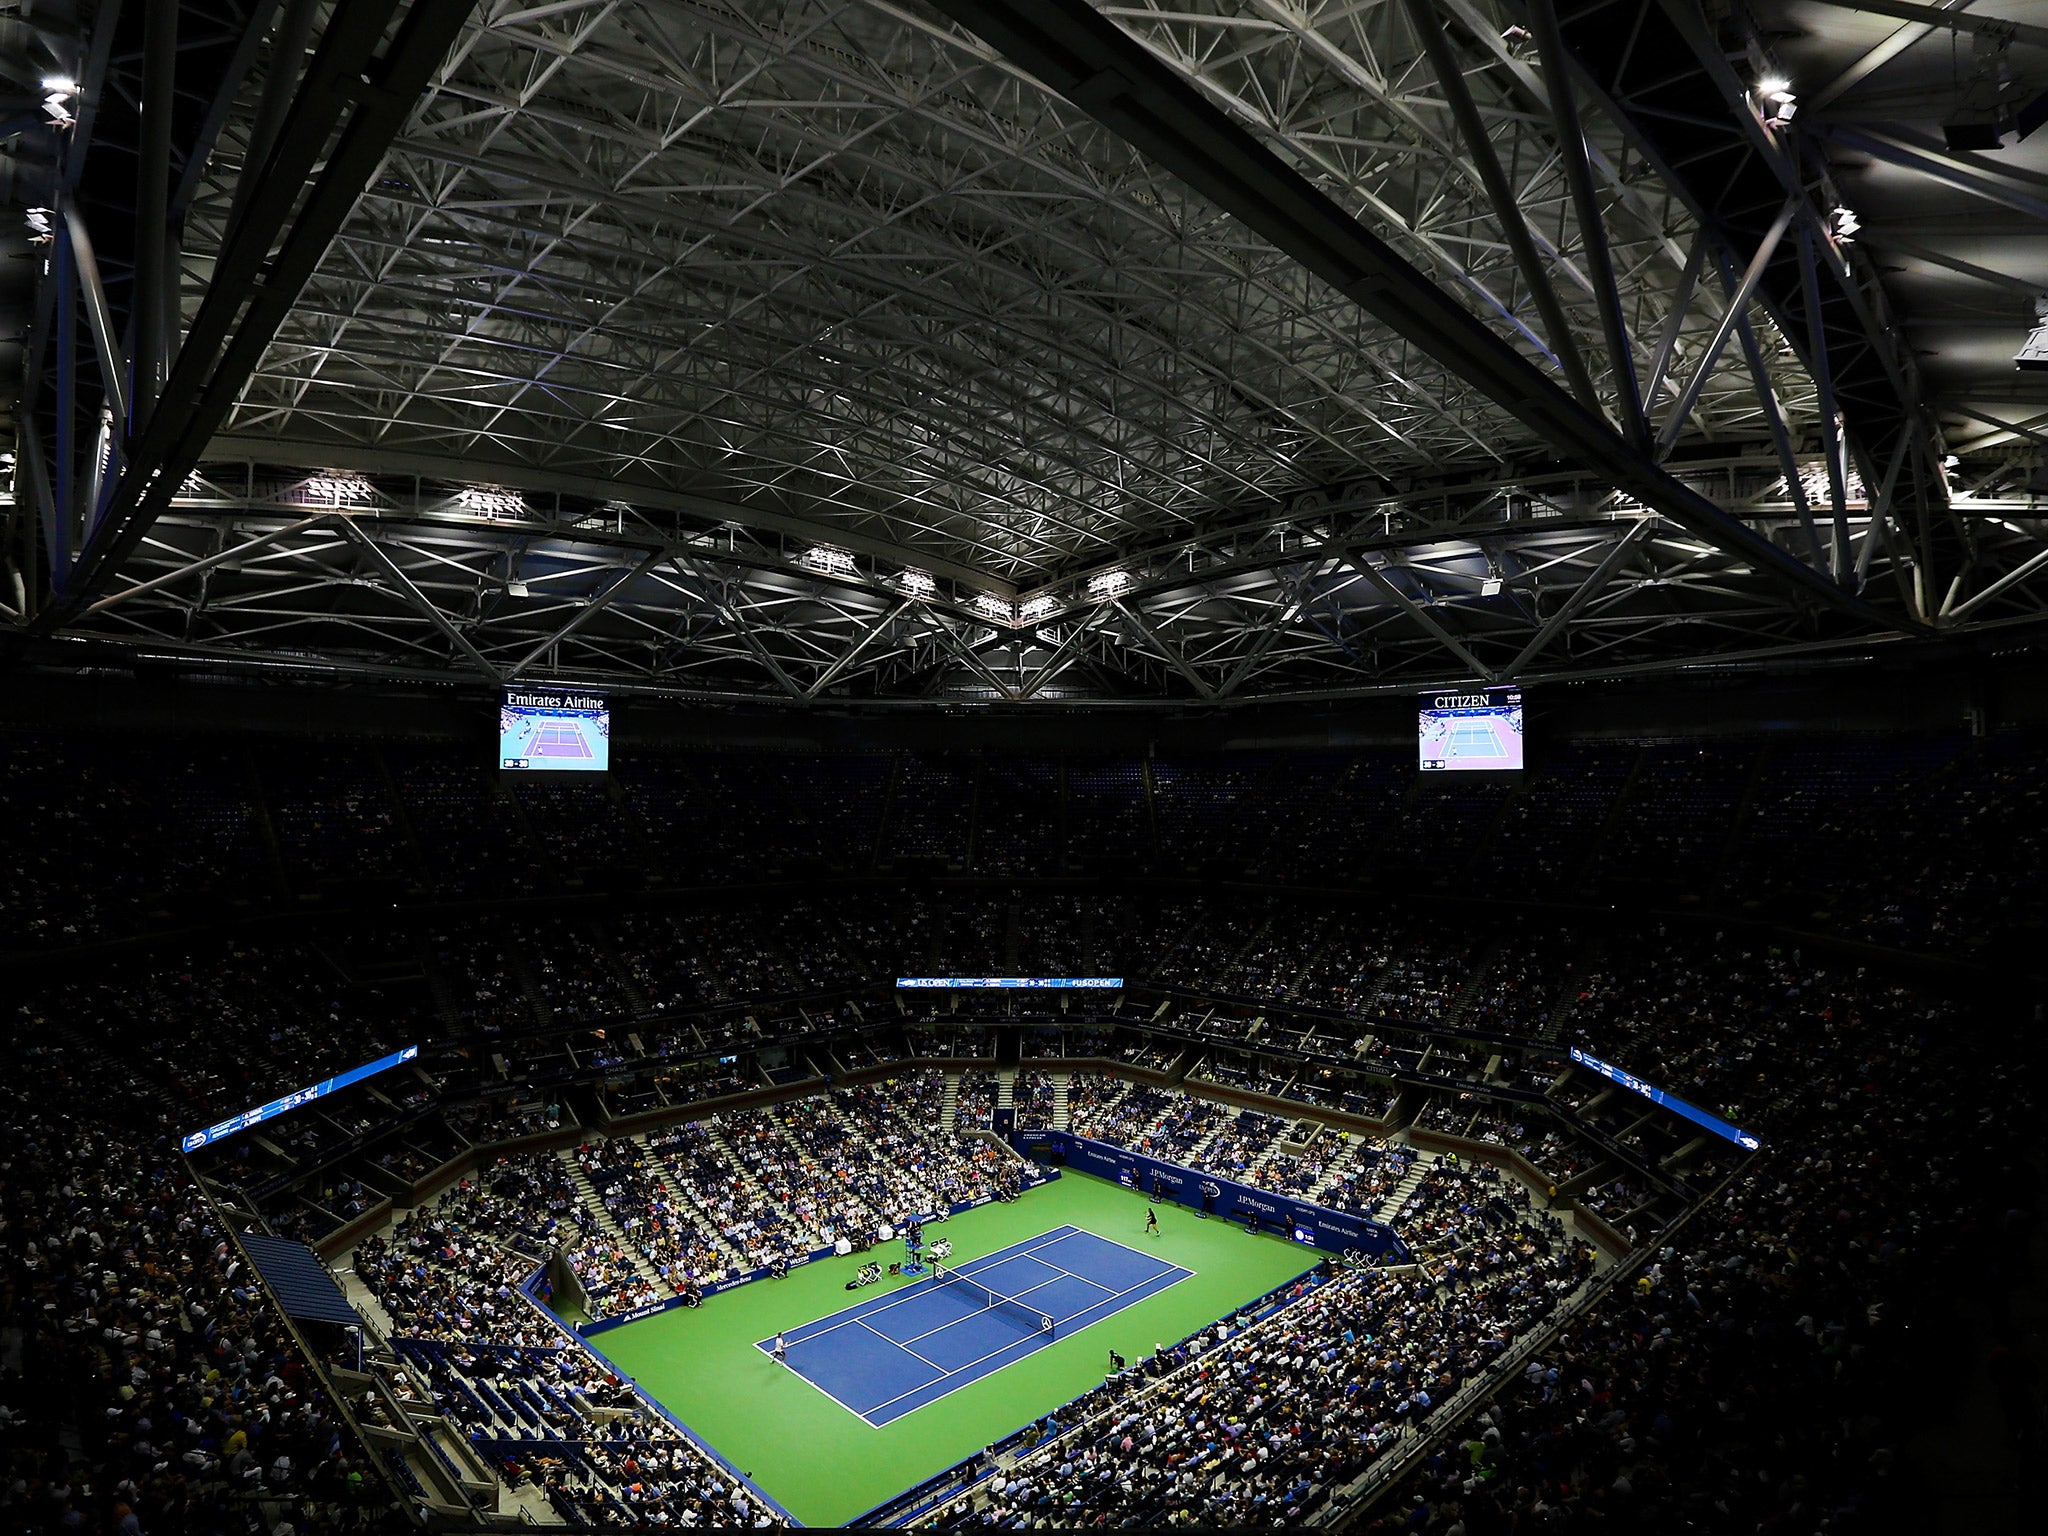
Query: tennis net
{"points": [[1010, 1306]]}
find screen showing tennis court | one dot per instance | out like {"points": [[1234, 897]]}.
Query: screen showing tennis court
{"points": [[1470, 732], [551, 730]]}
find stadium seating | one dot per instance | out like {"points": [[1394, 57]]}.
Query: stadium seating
{"points": [[1353, 1055], [1737, 826]]}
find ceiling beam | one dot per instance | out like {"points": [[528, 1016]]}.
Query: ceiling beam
{"points": [[1376, 577], [1874, 59], [585, 614], [512, 474], [1949, 18], [1573, 154], [847, 657], [1123, 85], [1587, 590], [1965, 172], [219, 557], [252, 290], [1507, 213], [1169, 653], [408, 590]]}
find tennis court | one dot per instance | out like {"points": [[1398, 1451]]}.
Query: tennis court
{"points": [[903, 1350], [1472, 741], [826, 1463], [1473, 738], [559, 739], [554, 741]]}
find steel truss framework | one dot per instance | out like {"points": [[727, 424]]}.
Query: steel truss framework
{"points": [[406, 576], [821, 349]]}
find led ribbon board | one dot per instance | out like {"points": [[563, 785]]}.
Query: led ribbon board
{"points": [[1670, 1101], [1019, 983], [291, 1101]]}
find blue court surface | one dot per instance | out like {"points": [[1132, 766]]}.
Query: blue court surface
{"points": [[899, 1351]]}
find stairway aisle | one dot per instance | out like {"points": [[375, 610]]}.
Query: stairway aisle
{"points": [[606, 1223]]}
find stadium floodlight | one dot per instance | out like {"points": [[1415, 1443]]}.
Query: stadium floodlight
{"points": [[60, 85], [1775, 101], [823, 557], [515, 587], [990, 606], [1491, 587], [1108, 584], [918, 583], [1037, 608], [486, 501], [337, 488]]}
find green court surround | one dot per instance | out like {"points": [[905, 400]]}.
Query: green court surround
{"points": [[825, 1465]]}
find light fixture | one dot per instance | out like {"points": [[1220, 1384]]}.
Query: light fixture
{"points": [[1491, 587], [2033, 353], [516, 587], [1843, 224], [1993, 128], [918, 583], [60, 85], [1037, 608], [487, 502], [337, 487], [1776, 102], [1105, 585], [822, 557]]}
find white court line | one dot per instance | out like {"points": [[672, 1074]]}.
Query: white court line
{"points": [[924, 1287], [1057, 1235], [1186, 1274], [1069, 1274], [904, 1345], [1019, 1296], [1149, 1258], [783, 1365]]}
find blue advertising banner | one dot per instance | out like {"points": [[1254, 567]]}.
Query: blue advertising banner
{"points": [[291, 1101], [1311, 1225], [1026, 983], [1670, 1101]]}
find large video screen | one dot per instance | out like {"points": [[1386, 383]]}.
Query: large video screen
{"points": [[552, 730], [1478, 732]]}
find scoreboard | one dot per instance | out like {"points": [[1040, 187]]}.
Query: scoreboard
{"points": [[1469, 731]]}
